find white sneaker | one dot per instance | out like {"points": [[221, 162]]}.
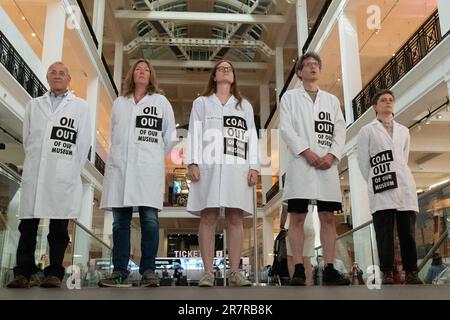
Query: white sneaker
{"points": [[207, 280], [236, 279]]}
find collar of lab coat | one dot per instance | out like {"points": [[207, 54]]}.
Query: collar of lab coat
{"points": [[303, 91], [380, 127], [47, 105], [232, 100], [131, 99]]}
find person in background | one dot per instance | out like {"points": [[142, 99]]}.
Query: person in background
{"points": [[435, 269]]}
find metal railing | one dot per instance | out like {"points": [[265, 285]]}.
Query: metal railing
{"points": [[19, 69], [272, 191], [422, 42]]}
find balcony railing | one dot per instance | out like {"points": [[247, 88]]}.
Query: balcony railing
{"points": [[17, 67], [273, 191], [422, 42]]}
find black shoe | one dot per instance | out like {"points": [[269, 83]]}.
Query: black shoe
{"points": [[298, 279], [51, 282], [19, 281], [332, 277]]}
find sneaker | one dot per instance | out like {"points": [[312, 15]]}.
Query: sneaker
{"points": [[412, 277], [117, 280], [388, 277], [150, 279], [51, 282], [236, 279], [207, 280], [332, 277], [19, 281], [299, 278]]}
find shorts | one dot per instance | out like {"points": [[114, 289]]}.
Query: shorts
{"points": [[301, 206]]}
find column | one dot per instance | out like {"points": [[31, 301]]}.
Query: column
{"points": [[302, 24], [279, 72], [351, 68], [98, 22], [162, 247], [118, 65], [82, 241], [363, 240], [267, 235], [52, 48], [444, 15], [92, 98], [264, 104], [107, 232]]}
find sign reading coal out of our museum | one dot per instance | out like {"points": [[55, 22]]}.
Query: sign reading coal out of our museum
{"points": [[148, 125], [235, 136], [383, 178], [324, 128], [63, 137]]}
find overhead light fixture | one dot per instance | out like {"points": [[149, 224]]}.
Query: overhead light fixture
{"points": [[23, 18], [439, 116], [33, 34], [427, 121], [177, 125], [419, 190]]}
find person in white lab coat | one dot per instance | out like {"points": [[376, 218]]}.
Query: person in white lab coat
{"points": [[56, 140], [313, 128], [142, 133], [222, 160], [383, 150]]}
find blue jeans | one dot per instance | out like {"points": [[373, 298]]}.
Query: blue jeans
{"points": [[121, 238]]}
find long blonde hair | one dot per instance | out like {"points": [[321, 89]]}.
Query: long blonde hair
{"points": [[129, 86], [212, 85]]}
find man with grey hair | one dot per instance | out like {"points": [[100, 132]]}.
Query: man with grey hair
{"points": [[56, 140]]}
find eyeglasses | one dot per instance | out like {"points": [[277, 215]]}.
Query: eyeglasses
{"points": [[311, 64], [55, 73], [224, 69]]}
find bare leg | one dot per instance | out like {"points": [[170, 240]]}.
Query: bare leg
{"points": [[235, 236], [206, 236], [296, 236], [327, 235]]}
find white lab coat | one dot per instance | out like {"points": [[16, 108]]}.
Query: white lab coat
{"points": [[56, 147], [389, 180], [141, 135], [320, 127], [222, 140]]}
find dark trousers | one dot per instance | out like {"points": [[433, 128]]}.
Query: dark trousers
{"points": [[383, 222], [58, 239]]}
